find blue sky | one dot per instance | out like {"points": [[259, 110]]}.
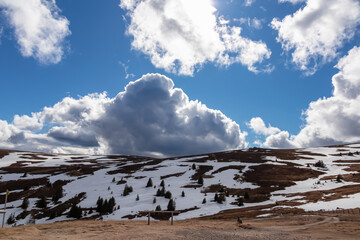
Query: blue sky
{"points": [[98, 54]]}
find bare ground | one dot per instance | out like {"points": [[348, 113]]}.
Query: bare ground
{"points": [[283, 227]]}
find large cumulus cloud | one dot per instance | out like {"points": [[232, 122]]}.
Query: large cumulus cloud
{"points": [[182, 35], [150, 117], [330, 120]]}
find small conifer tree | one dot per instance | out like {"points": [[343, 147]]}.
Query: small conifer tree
{"points": [[158, 208], [41, 203], [193, 166], [246, 195], [149, 183], [171, 205], [25, 203], [201, 180], [75, 211], [183, 194], [168, 194], [137, 197], [162, 184], [204, 201]]}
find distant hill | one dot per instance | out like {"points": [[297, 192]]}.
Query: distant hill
{"points": [[252, 182]]}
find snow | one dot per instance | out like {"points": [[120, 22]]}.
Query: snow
{"points": [[97, 184]]}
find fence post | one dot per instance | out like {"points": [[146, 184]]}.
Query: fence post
{"points": [[148, 218], [6, 196], [172, 216]]}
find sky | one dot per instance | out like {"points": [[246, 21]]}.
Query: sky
{"points": [[178, 77]]}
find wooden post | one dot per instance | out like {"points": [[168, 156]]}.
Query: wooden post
{"points": [[6, 196], [172, 216], [148, 218]]}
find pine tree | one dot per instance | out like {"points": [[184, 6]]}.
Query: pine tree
{"points": [[154, 200], [149, 183], [99, 205], [158, 208], [75, 212], [246, 195], [193, 166], [41, 203], [171, 205], [127, 190], [204, 201], [162, 184], [183, 194], [240, 202], [137, 197], [168, 194], [216, 197], [58, 194], [25, 203], [201, 180]]}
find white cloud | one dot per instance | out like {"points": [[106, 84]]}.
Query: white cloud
{"points": [[250, 22], [39, 28], [249, 2], [330, 120], [27, 123], [317, 31], [182, 35], [259, 127], [150, 117]]}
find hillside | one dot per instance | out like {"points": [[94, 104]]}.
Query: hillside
{"points": [[254, 182]]}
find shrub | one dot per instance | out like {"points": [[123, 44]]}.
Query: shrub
{"points": [[41, 203], [201, 180], [216, 197], [339, 178], [350, 154], [25, 174], [11, 219], [240, 202], [158, 208], [320, 164], [246, 195], [113, 180], [127, 190], [149, 183], [221, 198], [58, 194], [75, 212], [168, 194], [171, 205], [25, 203]]}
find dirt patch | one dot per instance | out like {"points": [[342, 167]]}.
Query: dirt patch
{"points": [[328, 195], [240, 168], [172, 175]]}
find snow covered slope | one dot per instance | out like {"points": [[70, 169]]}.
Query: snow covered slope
{"points": [[269, 181]]}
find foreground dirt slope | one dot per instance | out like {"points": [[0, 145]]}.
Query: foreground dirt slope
{"points": [[285, 227]]}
